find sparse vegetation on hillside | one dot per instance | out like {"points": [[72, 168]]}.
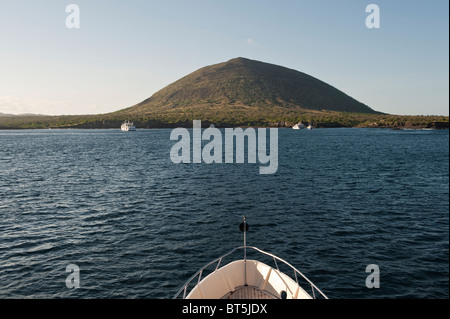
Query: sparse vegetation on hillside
{"points": [[252, 84], [238, 118], [239, 92]]}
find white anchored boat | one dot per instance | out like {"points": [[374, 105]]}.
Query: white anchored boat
{"points": [[298, 126], [128, 126], [249, 279]]}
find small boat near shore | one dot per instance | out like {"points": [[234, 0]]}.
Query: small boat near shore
{"points": [[299, 126], [127, 126], [249, 279]]}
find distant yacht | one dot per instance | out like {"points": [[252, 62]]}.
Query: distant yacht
{"points": [[128, 126], [310, 127], [298, 126]]}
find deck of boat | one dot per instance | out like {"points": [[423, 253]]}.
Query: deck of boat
{"points": [[248, 292]]}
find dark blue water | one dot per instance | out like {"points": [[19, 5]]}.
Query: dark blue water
{"points": [[138, 226]]}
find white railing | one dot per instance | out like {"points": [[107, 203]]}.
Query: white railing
{"points": [[199, 273]]}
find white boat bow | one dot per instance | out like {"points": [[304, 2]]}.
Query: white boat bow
{"points": [[249, 279]]}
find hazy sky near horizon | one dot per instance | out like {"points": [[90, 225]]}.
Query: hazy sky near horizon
{"points": [[124, 51]]}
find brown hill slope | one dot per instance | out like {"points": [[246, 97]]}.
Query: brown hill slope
{"points": [[247, 86]]}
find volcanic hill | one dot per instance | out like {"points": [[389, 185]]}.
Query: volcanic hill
{"points": [[245, 88], [239, 92]]}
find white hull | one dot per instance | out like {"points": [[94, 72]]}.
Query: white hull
{"points": [[126, 129], [128, 126], [262, 281], [298, 126], [248, 279]]}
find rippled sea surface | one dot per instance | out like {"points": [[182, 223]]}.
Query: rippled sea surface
{"points": [[138, 225]]}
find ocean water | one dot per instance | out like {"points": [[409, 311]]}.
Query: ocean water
{"points": [[138, 225]]}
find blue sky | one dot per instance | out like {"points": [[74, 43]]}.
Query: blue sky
{"points": [[124, 51]]}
